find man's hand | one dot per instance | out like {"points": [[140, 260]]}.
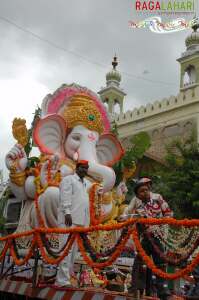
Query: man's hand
{"points": [[68, 220]]}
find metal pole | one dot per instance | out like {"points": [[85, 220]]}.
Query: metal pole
{"points": [[6, 272], [2, 265], [34, 276]]}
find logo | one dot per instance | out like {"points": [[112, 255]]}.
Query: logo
{"points": [[187, 6], [167, 8], [156, 25]]}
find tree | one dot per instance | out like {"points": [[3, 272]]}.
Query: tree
{"points": [[139, 143], [32, 160], [179, 182]]}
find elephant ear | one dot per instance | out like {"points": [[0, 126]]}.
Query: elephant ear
{"points": [[109, 149], [49, 134]]}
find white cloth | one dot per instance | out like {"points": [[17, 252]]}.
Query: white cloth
{"points": [[74, 200], [66, 265]]}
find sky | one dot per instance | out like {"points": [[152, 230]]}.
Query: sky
{"points": [[47, 43]]}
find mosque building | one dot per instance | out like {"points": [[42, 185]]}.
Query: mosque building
{"points": [[166, 119]]}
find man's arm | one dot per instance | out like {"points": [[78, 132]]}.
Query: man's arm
{"points": [[66, 190], [131, 208], [166, 211]]}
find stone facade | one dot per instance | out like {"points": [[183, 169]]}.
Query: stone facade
{"points": [[168, 118], [163, 120]]}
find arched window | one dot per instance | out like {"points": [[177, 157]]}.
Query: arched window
{"points": [[105, 102], [106, 105], [117, 108], [189, 75]]}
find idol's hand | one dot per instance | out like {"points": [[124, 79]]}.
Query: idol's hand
{"points": [[53, 161], [16, 159]]}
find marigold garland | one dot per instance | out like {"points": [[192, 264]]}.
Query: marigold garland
{"points": [[94, 218], [17, 235], [54, 261], [79, 229], [108, 252], [48, 248], [37, 242], [150, 264], [169, 257], [38, 212], [149, 221], [20, 262], [177, 243], [110, 260]]}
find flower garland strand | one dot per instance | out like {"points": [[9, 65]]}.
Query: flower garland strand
{"points": [[54, 261], [94, 218], [38, 212], [109, 227], [76, 230], [176, 241], [20, 262], [108, 252], [150, 264], [48, 248], [169, 257], [110, 260]]}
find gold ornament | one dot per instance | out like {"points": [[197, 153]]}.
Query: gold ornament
{"points": [[19, 131], [15, 165], [107, 198], [130, 171], [18, 178], [82, 111], [97, 282], [121, 209]]}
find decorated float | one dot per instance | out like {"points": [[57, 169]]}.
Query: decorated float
{"points": [[73, 125]]}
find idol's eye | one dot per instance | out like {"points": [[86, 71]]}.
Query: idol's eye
{"points": [[76, 137]]}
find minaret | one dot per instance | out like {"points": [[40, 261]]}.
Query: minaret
{"points": [[189, 60], [112, 94]]}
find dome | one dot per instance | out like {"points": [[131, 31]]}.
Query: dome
{"points": [[113, 75], [193, 38]]}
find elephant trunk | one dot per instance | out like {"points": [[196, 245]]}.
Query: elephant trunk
{"points": [[102, 173], [106, 175], [96, 170]]}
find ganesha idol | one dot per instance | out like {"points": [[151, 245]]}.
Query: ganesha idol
{"points": [[74, 125]]}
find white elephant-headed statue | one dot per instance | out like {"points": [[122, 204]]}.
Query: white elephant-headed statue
{"points": [[74, 125]]}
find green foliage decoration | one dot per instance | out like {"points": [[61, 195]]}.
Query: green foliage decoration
{"points": [[138, 145], [179, 182]]}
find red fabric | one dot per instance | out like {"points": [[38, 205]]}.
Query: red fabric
{"points": [[82, 162]]}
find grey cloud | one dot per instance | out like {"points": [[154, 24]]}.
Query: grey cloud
{"points": [[95, 30]]}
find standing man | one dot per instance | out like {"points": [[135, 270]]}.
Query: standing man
{"points": [[147, 204], [73, 210]]}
